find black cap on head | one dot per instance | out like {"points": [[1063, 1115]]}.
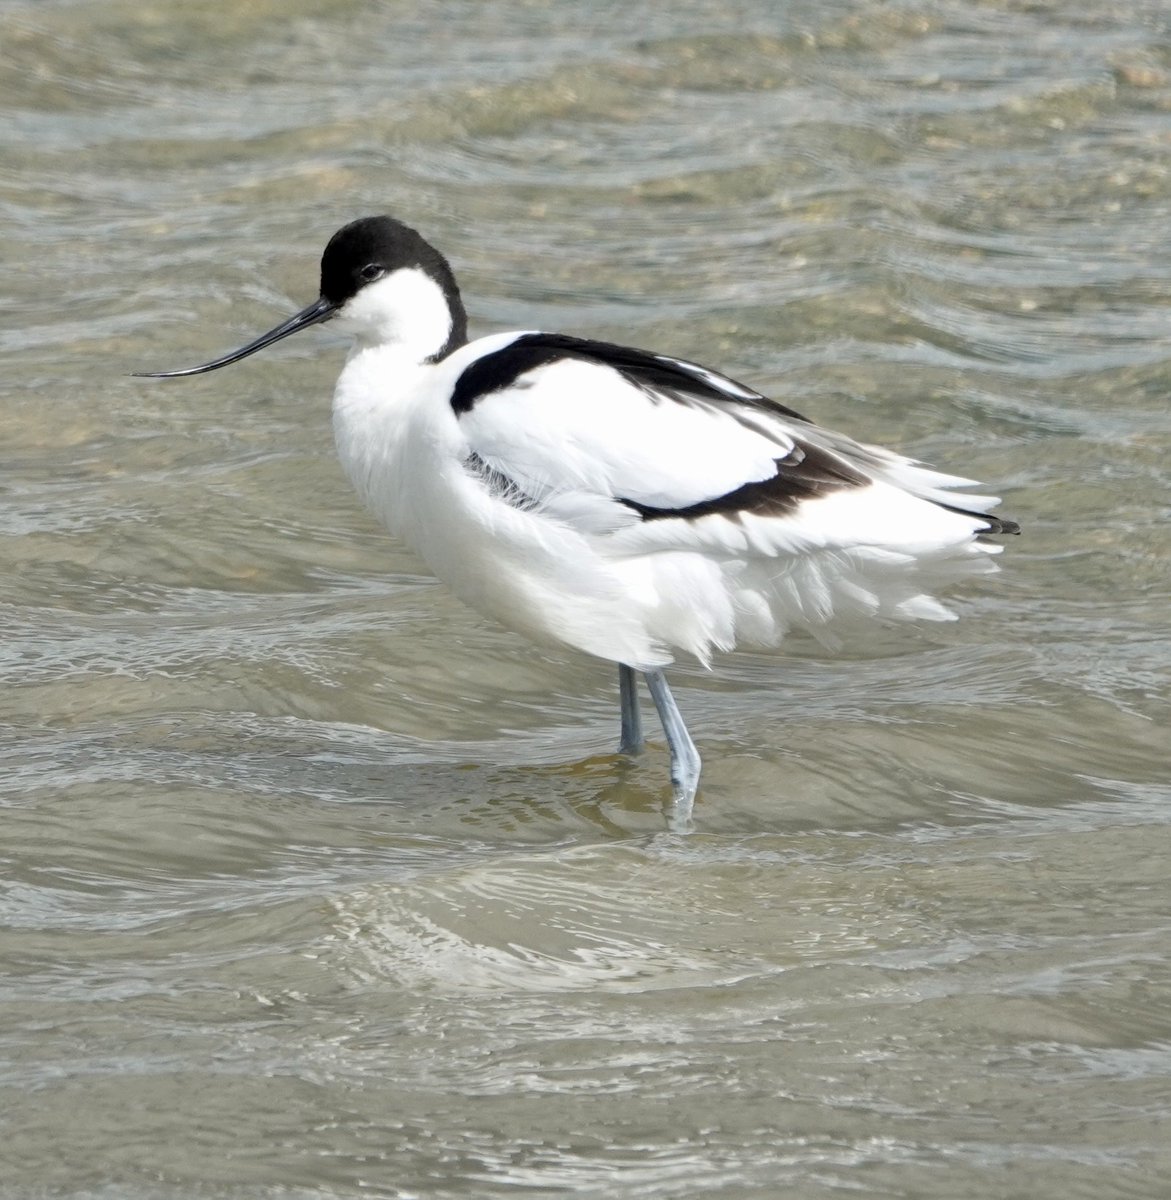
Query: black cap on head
{"points": [[361, 249]]}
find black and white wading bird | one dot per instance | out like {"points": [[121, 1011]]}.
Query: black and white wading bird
{"points": [[625, 503]]}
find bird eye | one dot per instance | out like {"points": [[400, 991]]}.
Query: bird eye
{"points": [[372, 271]]}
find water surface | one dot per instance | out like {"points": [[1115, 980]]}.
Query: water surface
{"points": [[317, 885]]}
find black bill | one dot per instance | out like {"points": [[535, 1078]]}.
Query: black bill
{"points": [[320, 310]]}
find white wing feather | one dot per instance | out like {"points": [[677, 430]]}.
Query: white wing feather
{"points": [[574, 425]]}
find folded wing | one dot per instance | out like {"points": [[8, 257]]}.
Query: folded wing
{"points": [[663, 451]]}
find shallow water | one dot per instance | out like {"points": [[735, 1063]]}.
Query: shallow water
{"points": [[316, 885]]}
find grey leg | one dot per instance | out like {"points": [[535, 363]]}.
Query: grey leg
{"points": [[684, 756], [631, 720]]}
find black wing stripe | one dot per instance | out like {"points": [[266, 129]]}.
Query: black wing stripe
{"points": [[806, 473], [654, 374]]}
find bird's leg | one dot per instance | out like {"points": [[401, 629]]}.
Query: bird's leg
{"points": [[631, 742], [684, 756]]}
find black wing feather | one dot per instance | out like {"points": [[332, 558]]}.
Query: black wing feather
{"points": [[804, 474], [654, 374]]}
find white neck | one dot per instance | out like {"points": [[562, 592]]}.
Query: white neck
{"points": [[406, 309]]}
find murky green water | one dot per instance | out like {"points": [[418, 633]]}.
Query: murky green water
{"points": [[315, 885]]}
